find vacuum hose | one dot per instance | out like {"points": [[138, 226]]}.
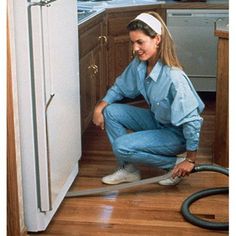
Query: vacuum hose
{"points": [[204, 193]]}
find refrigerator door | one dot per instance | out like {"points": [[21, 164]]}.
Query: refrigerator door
{"points": [[56, 95], [62, 86], [53, 39]]}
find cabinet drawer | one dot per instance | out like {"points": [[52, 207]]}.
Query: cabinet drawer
{"points": [[89, 39]]}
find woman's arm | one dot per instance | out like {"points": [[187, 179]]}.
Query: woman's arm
{"points": [[124, 86], [185, 112], [191, 132]]}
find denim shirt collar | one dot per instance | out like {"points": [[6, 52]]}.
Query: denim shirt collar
{"points": [[156, 70]]}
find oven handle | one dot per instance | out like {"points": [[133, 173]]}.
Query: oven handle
{"points": [[205, 15]]}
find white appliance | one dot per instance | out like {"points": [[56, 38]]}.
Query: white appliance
{"points": [[45, 72], [193, 33]]}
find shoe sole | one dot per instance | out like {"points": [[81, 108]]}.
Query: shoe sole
{"points": [[119, 182], [169, 184]]}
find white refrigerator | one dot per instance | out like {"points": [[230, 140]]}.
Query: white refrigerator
{"points": [[45, 73]]}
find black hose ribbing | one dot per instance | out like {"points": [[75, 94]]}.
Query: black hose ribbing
{"points": [[204, 193]]}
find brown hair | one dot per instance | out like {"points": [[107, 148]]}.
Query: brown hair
{"points": [[167, 52]]}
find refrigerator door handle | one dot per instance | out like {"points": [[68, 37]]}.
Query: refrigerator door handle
{"points": [[49, 101]]}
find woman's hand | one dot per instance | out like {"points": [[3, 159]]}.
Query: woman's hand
{"points": [[184, 168], [98, 118]]}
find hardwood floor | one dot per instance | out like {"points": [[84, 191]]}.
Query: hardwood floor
{"points": [[145, 210]]}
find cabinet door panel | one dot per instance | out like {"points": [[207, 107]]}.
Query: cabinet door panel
{"points": [[90, 39], [100, 62], [120, 55], [117, 25], [93, 66], [87, 90]]}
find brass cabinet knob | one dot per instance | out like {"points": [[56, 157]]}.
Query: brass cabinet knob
{"points": [[95, 67], [93, 70], [103, 38]]}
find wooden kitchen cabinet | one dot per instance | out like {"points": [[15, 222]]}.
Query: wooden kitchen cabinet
{"points": [[93, 65], [119, 47], [221, 143]]}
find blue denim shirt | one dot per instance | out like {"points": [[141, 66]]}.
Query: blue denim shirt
{"points": [[169, 93]]}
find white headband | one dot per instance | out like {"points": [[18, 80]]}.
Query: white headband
{"points": [[151, 21]]}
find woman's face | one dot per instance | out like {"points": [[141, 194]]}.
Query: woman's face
{"points": [[144, 46]]}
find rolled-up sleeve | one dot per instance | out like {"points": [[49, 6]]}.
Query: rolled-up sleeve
{"points": [[184, 111], [125, 85], [191, 131], [113, 94]]}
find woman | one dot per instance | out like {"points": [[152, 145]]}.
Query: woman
{"points": [[172, 123]]}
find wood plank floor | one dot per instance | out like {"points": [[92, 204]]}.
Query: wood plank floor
{"points": [[146, 210]]}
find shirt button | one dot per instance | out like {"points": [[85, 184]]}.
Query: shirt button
{"points": [[158, 104]]}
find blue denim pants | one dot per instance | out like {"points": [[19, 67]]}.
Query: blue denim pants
{"points": [[149, 142]]}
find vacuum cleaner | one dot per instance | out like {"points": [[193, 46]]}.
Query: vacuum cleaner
{"points": [[193, 219]]}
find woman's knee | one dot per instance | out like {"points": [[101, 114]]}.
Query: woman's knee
{"points": [[112, 111], [108, 110], [121, 146]]}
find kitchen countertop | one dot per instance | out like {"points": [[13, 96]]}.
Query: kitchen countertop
{"points": [[222, 29], [98, 7], [116, 3], [108, 4], [90, 13]]}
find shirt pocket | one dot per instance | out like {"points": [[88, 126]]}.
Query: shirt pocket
{"points": [[162, 110]]}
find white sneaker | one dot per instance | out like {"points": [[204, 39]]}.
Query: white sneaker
{"points": [[122, 175], [173, 181], [170, 181]]}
